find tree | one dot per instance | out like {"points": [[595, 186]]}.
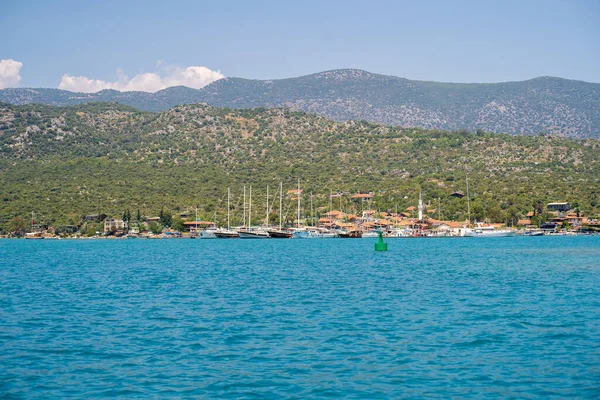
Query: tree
{"points": [[155, 228], [178, 224], [17, 226], [165, 218], [538, 207], [512, 216]]}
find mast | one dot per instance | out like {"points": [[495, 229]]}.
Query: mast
{"points": [[250, 208], [32, 222], [228, 224], [244, 224], [312, 222], [439, 210], [267, 219], [330, 202], [468, 201], [420, 206], [298, 224], [280, 203]]}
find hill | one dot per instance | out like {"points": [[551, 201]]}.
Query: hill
{"points": [[66, 162], [552, 105]]}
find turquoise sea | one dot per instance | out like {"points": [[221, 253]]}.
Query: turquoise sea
{"points": [[448, 318]]}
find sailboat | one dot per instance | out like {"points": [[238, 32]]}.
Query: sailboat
{"points": [[227, 233], [33, 234], [299, 233], [279, 233], [250, 233]]}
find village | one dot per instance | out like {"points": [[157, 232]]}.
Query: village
{"points": [[414, 221]]}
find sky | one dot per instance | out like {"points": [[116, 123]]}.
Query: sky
{"points": [[149, 45]]}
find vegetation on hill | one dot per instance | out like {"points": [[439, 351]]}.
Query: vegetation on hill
{"points": [[63, 163], [552, 105]]}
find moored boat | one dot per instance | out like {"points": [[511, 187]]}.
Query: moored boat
{"points": [[490, 231], [226, 234], [280, 234], [350, 234], [370, 234], [209, 233], [534, 232], [253, 234]]}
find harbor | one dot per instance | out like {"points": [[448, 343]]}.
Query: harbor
{"points": [[355, 218]]}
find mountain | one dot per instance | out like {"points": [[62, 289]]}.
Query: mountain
{"points": [[63, 162], [555, 106]]}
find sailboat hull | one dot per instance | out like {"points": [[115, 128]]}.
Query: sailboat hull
{"points": [[281, 235], [253, 235], [227, 235]]}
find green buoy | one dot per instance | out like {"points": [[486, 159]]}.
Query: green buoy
{"points": [[380, 245]]}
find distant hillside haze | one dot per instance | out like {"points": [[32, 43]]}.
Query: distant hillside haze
{"points": [[542, 105]]}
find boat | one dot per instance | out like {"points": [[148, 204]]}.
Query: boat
{"points": [[249, 232], [253, 234], [314, 233], [441, 234], [490, 231], [534, 232], [321, 233], [279, 233], [227, 233], [301, 234], [33, 234], [350, 234], [397, 233], [370, 234], [208, 233]]}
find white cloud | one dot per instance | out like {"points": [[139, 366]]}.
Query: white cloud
{"points": [[195, 77], [10, 73]]}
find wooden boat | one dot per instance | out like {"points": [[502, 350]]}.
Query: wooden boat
{"points": [[280, 234], [227, 233], [253, 234], [350, 234]]}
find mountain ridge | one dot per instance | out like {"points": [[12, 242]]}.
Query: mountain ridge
{"points": [[558, 106]]}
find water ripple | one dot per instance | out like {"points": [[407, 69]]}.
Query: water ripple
{"points": [[304, 319]]}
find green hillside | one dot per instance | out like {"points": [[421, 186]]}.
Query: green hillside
{"points": [[63, 163]]}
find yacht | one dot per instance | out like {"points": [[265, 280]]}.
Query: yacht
{"points": [[314, 233], [253, 234], [490, 231], [279, 233], [227, 233], [208, 233], [370, 234]]}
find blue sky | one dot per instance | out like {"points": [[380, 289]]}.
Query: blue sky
{"points": [[457, 41]]}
